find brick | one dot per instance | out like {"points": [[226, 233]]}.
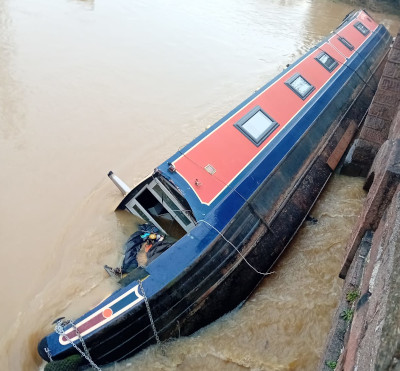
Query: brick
{"points": [[374, 136], [376, 123], [383, 111], [364, 152], [394, 55], [390, 99], [392, 70], [396, 43], [389, 84]]}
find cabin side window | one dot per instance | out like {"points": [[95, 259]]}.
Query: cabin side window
{"points": [[300, 86], [346, 43], [327, 61], [257, 125], [360, 27]]}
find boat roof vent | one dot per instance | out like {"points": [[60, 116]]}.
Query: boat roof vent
{"points": [[210, 169], [360, 27], [346, 43]]}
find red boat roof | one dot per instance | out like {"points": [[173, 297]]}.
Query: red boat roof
{"points": [[213, 162]]}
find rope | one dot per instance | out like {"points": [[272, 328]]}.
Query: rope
{"points": [[243, 257], [153, 326], [234, 190], [60, 330]]}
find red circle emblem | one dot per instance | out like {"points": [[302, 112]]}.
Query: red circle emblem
{"points": [[107, 312]]}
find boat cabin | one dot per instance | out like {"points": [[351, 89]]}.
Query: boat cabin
{"points": [[157, 202]]}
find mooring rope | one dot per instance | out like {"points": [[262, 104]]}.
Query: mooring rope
{"points": [[59, 328], [243, 257]]}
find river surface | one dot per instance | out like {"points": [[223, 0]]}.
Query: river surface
{"points": [[90, 86]]}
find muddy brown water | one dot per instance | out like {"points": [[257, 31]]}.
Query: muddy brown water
{"points": [[89, 86]]}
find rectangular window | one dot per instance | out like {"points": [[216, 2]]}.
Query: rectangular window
{"points": [[257, 125], [346, 43], [327, 61], [360, 27], [300, 86]]}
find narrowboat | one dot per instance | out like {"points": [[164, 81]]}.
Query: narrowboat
{"points": [[224, 207]]}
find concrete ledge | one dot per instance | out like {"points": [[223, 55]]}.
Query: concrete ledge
{"points": [[338, 336]]}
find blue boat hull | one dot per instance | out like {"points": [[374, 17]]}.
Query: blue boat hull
{"points": [[207, 276]]}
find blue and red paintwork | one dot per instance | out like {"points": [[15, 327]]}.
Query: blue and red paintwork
{"points": [[231, 153], [103, 315], [119, 327]]}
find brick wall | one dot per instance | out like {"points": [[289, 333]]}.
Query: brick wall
{"points": [[382, 110]]}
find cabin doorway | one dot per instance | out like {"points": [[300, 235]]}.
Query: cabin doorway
{"points": [[156, 204]]}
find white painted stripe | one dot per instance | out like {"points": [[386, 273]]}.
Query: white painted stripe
{"points": [[105, 320]]}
